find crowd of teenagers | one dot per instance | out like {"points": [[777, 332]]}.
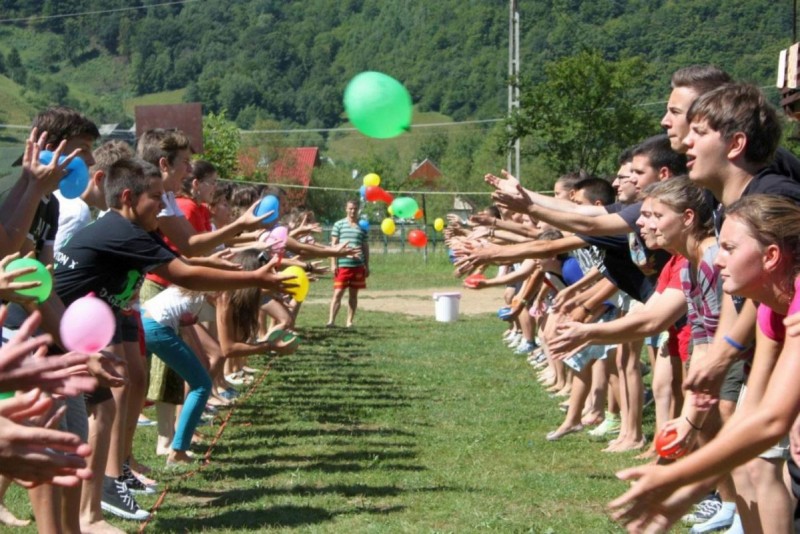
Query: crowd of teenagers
{"points": [[193, 277], [685, 266]]}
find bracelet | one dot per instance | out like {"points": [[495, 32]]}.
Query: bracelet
{"points": [[698, 428], [524, 302], [733, 343]]}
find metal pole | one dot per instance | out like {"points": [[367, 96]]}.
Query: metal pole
{"points": [[513, 163]]}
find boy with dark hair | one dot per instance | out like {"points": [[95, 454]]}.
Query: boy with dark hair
{"points": [[110, 256]]}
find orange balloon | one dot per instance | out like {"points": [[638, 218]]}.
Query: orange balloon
{"points": [[418, 215]]}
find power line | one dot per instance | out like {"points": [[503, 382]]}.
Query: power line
{"points": [[413, 127], [98, 12]]}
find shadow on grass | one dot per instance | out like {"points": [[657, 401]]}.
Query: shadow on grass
{"points": [[272, 517]]}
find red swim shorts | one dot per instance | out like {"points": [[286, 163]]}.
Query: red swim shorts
{"points": [[355, 277]]}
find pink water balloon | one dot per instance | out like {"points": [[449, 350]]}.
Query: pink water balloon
{"points": [[276, 238], [87, 325]]}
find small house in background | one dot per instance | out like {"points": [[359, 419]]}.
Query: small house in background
{"points": [[294, 166], [463, 207], [425, 173]]}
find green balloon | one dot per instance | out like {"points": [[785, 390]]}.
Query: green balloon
{"points": [[378, 105], [41, 274], [404, 207]]}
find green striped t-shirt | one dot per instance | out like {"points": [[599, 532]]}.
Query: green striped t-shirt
{"points": [[352, 235]]}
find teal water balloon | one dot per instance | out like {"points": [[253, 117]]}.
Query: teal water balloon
{"points": [[41, 275], [378, 105], [404, 207]]}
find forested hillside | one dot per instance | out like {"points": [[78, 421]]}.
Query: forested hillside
{"points": [[289, 61], [277, 65]]}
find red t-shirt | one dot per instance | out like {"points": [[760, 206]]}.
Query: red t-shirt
{"points": [[670, 277], [198, 215]]}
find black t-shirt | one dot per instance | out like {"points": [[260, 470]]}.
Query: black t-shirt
{"points": [[42, 232], [649, 261], [109, 258], [620, 269]]}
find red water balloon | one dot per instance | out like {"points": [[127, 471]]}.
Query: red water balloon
{"points": [[663, 439], [417, 238], [374, 193]]}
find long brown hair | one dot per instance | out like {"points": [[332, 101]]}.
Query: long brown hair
{"points": [[245, 302]]}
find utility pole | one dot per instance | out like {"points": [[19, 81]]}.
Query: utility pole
{"points": [[513, 79]]}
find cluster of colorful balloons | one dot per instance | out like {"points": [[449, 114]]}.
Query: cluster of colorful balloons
{"points": [[378, 105]]}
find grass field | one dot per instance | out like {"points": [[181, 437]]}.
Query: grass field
{"points": [[399, 425]]}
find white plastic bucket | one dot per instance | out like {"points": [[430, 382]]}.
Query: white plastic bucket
{"points": [[446, 306]]}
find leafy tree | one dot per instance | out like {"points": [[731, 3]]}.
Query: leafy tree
{"points": [[584, 113], [221, 141], [16, 70]]}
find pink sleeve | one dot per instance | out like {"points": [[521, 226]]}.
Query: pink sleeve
{"points": [[770, 323]]}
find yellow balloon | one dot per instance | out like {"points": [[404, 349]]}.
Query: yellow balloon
{"points": [[438, 224], [390, 211], [388, 227], [372, 179], [300, 278]]}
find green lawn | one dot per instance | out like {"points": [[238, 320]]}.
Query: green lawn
{"points": [[399, 425]]}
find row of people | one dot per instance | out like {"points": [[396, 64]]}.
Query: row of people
{"points": [[688, 249], [199, 309]]}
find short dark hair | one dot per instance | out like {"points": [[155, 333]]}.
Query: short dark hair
{"points": [[128, 173], [201, 170], [569, 179], [658, 150], [741, 107], [160, 143], [626, 156], [595, 189], [700, 78], [62, 123]]}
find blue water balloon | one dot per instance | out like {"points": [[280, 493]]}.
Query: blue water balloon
{"points": [[267, 204], [74, 182]]}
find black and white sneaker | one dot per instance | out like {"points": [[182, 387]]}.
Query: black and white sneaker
{"points": [[704, 510], [118, 500], [135, 485]]}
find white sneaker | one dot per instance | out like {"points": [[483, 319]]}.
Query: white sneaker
{"points": [[722, 519], [514, 340], [736, 527], [525, 347]]}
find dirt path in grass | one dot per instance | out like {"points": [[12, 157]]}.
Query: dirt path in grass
{"points": [[420, 301]]}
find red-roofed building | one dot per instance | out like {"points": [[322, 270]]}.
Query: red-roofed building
{"points": [[426, 172]]}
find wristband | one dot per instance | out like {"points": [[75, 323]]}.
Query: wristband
{"points": [[698, 428], [733, 343]]}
